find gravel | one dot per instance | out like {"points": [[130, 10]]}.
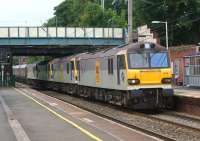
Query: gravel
{"points": [[182, 120]]}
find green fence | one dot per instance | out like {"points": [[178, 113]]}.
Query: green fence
{"points": [[7, 81]]}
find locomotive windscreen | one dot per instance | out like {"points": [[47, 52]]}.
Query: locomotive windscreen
{"points": [[148, 60]]}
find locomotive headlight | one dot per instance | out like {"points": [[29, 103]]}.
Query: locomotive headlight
{"points": [[133, 81], [166, 80]]}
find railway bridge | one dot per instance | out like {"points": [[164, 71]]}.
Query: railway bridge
{"points": [[58, 40], [52, 41]]}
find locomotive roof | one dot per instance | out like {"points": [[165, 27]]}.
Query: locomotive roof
{"points": [[58, 60], [134, 47]]}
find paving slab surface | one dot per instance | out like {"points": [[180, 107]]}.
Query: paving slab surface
{"points": [[43, 118], [187, 92], [6, 133]]}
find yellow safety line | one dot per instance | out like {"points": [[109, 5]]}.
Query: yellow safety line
{"points": [[61, 117]]}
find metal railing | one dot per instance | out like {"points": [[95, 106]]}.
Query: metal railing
{"points": [[60, 32]]}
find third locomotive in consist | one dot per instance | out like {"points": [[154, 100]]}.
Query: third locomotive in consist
{"points": [[137, 76]]}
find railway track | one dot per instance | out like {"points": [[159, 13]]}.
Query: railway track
{"points": [[178, 120], [182, 115], [152, 124]]}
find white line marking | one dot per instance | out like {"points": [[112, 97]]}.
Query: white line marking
{"points": [[19, 132], [87, 120], [75, 113], [53, 104]]}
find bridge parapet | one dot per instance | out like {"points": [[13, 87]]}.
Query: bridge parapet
{"points": [[61, 36], [61, 32]]}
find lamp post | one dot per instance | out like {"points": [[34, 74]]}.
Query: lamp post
{"points": [[130, 21], [56, 21], [166, 28], [102, 4]]}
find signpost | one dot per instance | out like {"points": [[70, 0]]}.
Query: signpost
{"points": [[6, 75]]}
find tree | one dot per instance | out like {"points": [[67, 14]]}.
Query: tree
{"points": [[87, 13], [95, 16], [182, 16]]}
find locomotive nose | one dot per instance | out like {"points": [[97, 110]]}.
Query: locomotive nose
{"points": [[149, 76]]}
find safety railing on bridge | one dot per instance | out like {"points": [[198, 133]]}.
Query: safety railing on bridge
{"points": [[60, 32]]}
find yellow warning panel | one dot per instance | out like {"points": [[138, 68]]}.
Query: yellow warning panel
{"points": [[97, 72], [61, 72], [50, 71]]}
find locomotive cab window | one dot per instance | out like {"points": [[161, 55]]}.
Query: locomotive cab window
{"points": [[67, 68], [159, 60], [72, 65], [110, 66], [78, 65], [121, 65], [148, 60], [52, 68], [49, 67], [121, 62], [52, 71]]}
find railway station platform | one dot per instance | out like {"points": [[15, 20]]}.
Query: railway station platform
{"points": [[187, 92], [187, 100], [32, 116]]}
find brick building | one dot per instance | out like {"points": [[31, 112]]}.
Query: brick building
{"points": [[177, 54]]}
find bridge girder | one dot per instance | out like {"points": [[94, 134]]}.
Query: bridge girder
{"points": [[51, 50]]}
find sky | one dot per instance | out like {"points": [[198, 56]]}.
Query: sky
{"points": [[26, 12]]}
